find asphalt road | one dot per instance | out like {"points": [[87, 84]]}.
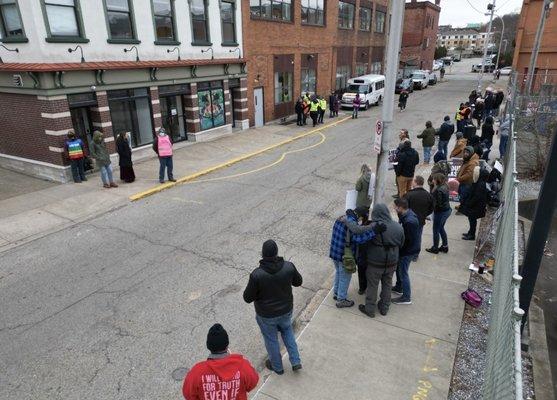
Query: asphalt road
{"points": [[111, 307]]}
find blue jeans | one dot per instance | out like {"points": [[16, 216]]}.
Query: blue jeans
{"points": [[427, 154], [106, 174], [342, 281], [503, 145], [165, 162], [78, 170], [270, 327], [439, 219], [420, 232], [402, 276], [443, 147], [355, 111]]}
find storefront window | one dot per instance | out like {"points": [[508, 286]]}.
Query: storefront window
{"points": [[380, 22], [130, 111], [308, 80], [120, 19], [343, 74], [283, 87], [345, 15], [376, 67], [210, 97], [313, 12], [271, 9], [365, 19], [10, 22], [172, 110]]}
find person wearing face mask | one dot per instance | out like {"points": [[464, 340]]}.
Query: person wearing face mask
{"points": [[163, 147], [102, 158]]}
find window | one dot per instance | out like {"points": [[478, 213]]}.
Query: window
{"points": [[313, 12], [283, 87], [343, 74], [120, 21], [130, 111], [271, 9], [376, 67], [163, 14], [308, 81], [365, 19], [11, 27], [228, 21], [199, 23], [361, 68], [345, 15], [210, 97], [63, 20], [380, 22]]}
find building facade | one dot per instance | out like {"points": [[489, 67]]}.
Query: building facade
{"points": [[546, 65], [298, 46], [116, 66], [465, 38], [421, 21]]}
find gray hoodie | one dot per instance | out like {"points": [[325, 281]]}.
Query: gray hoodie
{"points": [[382, 250]]}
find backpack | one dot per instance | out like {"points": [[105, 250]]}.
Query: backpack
{"points": [[471, 297], [348, 259]]}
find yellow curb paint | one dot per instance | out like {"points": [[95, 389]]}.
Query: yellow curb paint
{"points": [[187, 178]]}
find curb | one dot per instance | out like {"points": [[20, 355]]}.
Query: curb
{"points": [[188, 178]]}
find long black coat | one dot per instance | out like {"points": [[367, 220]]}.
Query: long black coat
{"points": [[124, 152], [476, 203]]}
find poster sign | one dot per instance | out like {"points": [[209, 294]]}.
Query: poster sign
{"points": [[173, 111], [455, 163], [351, 196], [371, 188], [378, 136]]}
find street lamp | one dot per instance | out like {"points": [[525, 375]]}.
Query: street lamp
{"points": [[4, 47], [136, 52], [70, 50]]}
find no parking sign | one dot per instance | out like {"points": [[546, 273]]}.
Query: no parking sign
{"points": [[378, 134]]}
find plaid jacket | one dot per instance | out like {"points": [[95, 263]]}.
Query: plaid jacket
{"points": [[339, 238]]}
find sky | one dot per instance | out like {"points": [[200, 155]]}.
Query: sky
{"points": [[459, 12]]}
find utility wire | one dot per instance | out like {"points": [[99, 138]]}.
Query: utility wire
{"points": [[471, 5]]}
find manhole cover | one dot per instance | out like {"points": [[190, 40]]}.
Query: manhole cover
{"points": [[179, 374]]}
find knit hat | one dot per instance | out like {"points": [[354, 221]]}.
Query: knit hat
{"points": [[459, 135], [217, 339], [439, 156], [469, 149], [447, 118], [270, 249], [362, 212]]}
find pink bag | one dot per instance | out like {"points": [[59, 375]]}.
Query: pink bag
{"points": [[470, 296]]}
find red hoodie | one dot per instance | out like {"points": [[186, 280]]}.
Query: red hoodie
{"points": [[228, 378]]}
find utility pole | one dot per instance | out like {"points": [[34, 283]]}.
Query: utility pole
{"points": [[547, 5], [500, 41], [541, 224], [491, 8], [391, 70]]}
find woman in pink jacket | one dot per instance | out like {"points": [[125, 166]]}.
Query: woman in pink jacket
{"points": [[163, 147]]}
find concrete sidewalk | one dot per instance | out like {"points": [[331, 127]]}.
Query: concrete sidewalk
{"points": [[45, 208], [405, 355]]}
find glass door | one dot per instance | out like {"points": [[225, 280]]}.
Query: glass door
{"points": [[82, 126], [173, 118]]}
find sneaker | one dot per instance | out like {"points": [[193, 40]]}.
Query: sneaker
{"points": [[433, 250], [106, 186], [171, 180], [444, 249], [161, 181], [401, 300], [362, 308], [84, 179], [112, 184], [270, 367], [396, 290], [296, 367], [468, 237], [382, 309], [344, 303]]}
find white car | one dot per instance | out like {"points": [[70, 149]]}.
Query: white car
{"points": [[437, 65], [420, 79], [506, 70]]}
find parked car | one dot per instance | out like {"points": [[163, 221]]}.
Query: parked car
{"points": [[506, 70], [420, 79], [405, 84], [432, 77], [371, 89], [437, 65], [487, 67]]}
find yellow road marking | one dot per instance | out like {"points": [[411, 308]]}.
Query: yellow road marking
{"points": [[191, 177]]}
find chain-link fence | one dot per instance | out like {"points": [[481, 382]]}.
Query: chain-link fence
{"points": [[503, 375]]}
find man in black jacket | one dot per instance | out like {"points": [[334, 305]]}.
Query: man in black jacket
{"points": [[270, 288], [445, 132], [421, 202], [407, 159]]}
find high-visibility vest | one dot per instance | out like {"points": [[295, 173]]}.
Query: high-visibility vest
{"points": [[313, 106], [323, 104]]}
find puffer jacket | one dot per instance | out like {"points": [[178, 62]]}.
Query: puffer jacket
{"points": [[407, 159], [441, 198]]}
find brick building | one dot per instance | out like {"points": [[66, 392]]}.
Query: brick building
{"points": [[295, 46], [134, 65], [421, 20], [546, 66]]}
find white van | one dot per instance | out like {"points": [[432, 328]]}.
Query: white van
{"points": [[371, 89]]}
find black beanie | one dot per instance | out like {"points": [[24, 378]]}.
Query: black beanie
{"points": [[270, 249], [217, 339]]}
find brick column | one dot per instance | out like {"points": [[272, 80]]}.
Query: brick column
{"points": [[191, 108], [241, 116], [227, 103], [101, 121], [156, 105], [56, 120]]}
